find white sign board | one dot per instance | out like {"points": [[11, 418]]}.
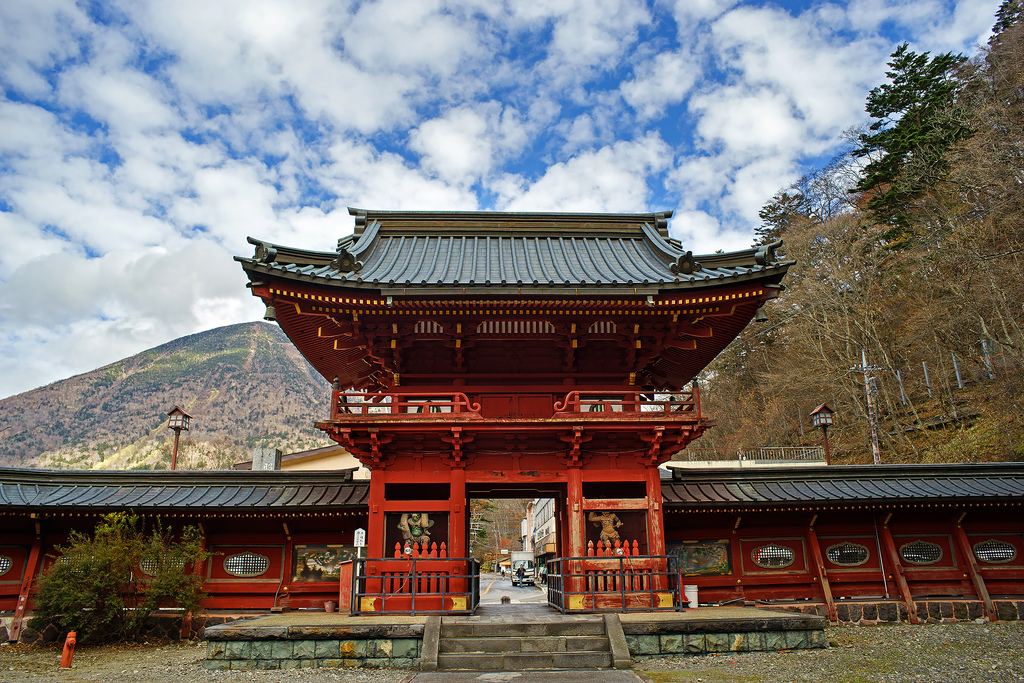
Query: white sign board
{"points": [[360, 538]]}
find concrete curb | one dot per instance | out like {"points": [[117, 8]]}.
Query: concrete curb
{"points": [[431, 640], [617, 640]]}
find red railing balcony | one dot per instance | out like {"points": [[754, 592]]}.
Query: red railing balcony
{"points": [[614, 404], [426, 406]]}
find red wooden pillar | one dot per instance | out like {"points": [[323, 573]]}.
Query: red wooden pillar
{"points": [[575, 545], [655, 514], [35, 557], [820, 573], [901, 580], [457, 515], [289, 566], [972, 566], [197, 571], [375, 523], [458, 520], [575, 516]]}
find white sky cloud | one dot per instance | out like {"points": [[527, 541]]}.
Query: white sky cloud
{"points": [[141, 141]]}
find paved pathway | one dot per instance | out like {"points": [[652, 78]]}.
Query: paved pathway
{"points": [[560, 676], [517, 614]]}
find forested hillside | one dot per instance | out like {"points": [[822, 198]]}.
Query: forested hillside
{"points": [[909, 249], [245, 386]]}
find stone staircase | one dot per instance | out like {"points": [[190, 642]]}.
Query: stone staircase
{"points": [[525, 645]]}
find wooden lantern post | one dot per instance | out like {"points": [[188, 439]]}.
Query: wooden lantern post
{"points": [[177, 420], [823, 416]]}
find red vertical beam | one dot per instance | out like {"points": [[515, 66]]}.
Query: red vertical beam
{"points": [[972, 566], [901, 580], [197, 571], [31, 568], [457, 525], [289, 565], [576, 537], [375, 522], [820, 573], [457, 511], [656, 527], [655, 513], [575, 514]]}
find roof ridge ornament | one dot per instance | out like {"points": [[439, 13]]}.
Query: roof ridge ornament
{"points": [[265, 253], [765, 254], [685, 264], [346, 261]]}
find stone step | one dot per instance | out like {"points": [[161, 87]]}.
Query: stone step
{"points": [[519, 661], [526, 644], [523, 630]]}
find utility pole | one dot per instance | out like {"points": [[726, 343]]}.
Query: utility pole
{"points": [[868, 383]]}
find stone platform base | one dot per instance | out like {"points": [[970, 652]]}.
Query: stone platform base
{"points": [[708, 630], [298, 640]]}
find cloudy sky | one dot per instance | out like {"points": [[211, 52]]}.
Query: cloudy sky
{"points": [[141, 141]]}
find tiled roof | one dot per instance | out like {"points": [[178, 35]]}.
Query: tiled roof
{"points": [[493, 250], [861, 484], [41, 490], [227, 491]]}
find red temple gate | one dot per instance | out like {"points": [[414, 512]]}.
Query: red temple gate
{"points": [[477, 351]]}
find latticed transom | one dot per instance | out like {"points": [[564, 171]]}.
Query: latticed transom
{"points": [[150, 566], [773, 556], [994, 551], [847, 554], [5, 564], [921, 552], [246, 565]]}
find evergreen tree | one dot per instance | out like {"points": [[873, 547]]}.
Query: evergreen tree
{"points": [[778, 216], [917, 119], [1010, 13]]}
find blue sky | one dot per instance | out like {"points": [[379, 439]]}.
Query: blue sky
{"points": [[142, 141]]}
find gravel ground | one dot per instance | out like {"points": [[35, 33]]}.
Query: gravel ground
{"points": [[159, 664], [879, 654], [876, 654]]}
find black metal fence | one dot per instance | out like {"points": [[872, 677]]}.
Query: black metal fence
{"points": [[613, 584], [416, 586]]}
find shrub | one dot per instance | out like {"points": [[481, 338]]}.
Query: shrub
{"points": [[104, 585]]}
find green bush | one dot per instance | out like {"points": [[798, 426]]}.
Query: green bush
{"points": [[104, 585]]}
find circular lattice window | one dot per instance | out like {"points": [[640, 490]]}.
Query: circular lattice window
{"points": [[921, 552], [992, 552], [246, 565], [847, 554], [5, 564], [773, 556]]}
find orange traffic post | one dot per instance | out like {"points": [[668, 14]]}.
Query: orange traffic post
{"points": [[69, 651]]}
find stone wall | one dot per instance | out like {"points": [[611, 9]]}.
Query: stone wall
{"points": [[712, 631], [891, 611], [250, 646], [708, 643], [241, 655]]}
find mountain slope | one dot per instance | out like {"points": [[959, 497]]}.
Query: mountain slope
{"points": [[245, 386]]}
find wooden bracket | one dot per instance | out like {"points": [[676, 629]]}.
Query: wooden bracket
{"points": [[575, 457], [458, 458]]}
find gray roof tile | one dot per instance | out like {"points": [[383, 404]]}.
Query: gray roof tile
{"points": [[41, 490], [400, 250], [984, 482]]}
